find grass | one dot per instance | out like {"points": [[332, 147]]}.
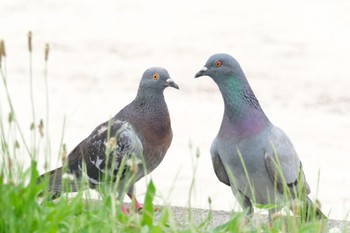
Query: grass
{"points": [[22, 211]]}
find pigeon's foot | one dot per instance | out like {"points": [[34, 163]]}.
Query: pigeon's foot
{"points": [[124, 210], [136, 204]]}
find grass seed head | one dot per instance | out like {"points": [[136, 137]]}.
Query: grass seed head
{"points": [[1, 41], [11, 117], [41, 128], [46, 165], [17, 144], [30, 47], [64, 153], [133, 163], [209, 200], [2, 48], [318, 204], [47, 50], [111, 144], [9, 161]]}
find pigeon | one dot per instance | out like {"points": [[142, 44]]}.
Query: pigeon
{"points": [[249, 153], [134, 142]]}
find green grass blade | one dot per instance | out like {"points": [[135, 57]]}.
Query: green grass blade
{"points": [[148, 211]]}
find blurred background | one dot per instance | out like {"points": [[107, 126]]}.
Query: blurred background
{"points": [[295, 56]]}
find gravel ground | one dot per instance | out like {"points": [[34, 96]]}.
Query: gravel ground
{"points": [[180, 216]]}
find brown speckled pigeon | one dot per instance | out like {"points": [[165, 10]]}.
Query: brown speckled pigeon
{"points": [[250, 154], [141, 131]]}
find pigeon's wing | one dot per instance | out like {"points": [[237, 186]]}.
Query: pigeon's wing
{"points": [[102, 153], [219, 168], [283, 163], [222, 175]]}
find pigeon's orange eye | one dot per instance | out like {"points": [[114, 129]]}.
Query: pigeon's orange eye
{"points": [[217, 63], [155, 76]]}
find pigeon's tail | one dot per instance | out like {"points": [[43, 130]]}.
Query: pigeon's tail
{"points": [[314, 210], [55, 186]]}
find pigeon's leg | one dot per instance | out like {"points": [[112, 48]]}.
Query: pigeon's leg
{"points": [[247, 205], [272, 215], [133, 199], [243, 200], [135, 202], [124, 210]]}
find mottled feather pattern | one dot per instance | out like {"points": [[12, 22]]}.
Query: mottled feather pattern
{"points": [[101, 149], [248, 96]]}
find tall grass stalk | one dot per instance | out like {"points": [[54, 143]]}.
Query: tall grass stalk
{"points": [[47, 98], [193, 179], [31, 90], [252, 190], [62, 151], [12, 113]]}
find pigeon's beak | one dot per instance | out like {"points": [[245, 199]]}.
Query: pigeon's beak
{"points": [[202, 72], [171, 83]]}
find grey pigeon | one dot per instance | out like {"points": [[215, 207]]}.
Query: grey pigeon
{"points": [[140, 132], [250, 154]]}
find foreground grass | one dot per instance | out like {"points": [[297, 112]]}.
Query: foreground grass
{"points": [[21, 210]]}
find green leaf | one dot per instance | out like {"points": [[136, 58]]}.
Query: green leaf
{"points": [[34, 174], [148, 211]]}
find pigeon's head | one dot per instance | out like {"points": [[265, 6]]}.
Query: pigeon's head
{"points": [[221, 67], [157, 79]]}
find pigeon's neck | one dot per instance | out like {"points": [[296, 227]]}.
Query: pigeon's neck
{"points": [[243, 114], [152, 109], [150, 113], [151, 103]]}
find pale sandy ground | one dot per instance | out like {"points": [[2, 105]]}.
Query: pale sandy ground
{"points": [[295, 55]]}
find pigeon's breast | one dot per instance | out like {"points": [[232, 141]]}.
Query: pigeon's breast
{"points": [[245, 160], [156, 141], [151, 122]]}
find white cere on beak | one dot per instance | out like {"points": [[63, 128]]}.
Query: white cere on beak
{"points": [[169, 80], [204, 69]]}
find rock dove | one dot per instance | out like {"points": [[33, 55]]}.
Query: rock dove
{"points": [[250, 154], [141, 132]]}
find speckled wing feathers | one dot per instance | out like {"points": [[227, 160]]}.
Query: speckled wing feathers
{"points": [[103, 151]]}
